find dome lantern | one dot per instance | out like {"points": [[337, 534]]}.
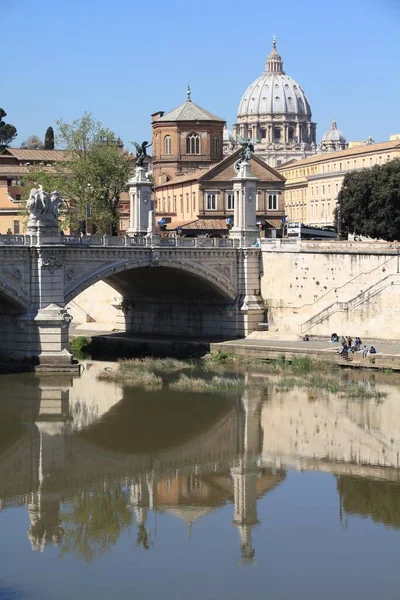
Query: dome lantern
{"points": [[274, 60]]}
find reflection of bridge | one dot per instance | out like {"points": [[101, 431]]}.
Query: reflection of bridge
{"points": [[192, 471], [98, 441]]}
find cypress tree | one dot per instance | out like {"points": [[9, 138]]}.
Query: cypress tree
{"points": [[49, 139]]}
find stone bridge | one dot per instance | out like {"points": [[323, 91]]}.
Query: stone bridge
{"points": [[202, 287]]}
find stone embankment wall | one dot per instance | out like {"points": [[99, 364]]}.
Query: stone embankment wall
{"points": [[351, 288]]}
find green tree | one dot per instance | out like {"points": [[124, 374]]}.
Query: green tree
{"points": [[369, 202], [95, 172], [49, 139], [7, 132]]}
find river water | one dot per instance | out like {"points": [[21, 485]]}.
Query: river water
{"points": [[108, 491]]}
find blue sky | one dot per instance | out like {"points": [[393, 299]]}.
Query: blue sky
{"points": [[123, 61]]}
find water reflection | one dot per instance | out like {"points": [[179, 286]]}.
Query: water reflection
{"points": [[90, 460]]}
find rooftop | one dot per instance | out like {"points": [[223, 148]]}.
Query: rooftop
{"points": [[189, 111], [326, 156]]}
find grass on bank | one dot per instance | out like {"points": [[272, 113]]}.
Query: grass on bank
{"points": [[214, 375]]}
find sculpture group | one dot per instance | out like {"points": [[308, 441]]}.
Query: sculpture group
{"points": [[44, 207]]}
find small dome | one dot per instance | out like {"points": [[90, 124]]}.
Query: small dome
{"points": [[274, 92], [228, 135], [334, 134]]}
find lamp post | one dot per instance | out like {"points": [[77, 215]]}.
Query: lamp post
{"points": [[339, 218], [88, 206]]}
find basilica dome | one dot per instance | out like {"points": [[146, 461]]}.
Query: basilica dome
{"points": [[274, 92]]}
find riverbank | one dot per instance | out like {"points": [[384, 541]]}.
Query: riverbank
{"points": [[387, 357]]}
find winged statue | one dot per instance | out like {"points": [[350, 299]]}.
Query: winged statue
{"points": [[247, 147], [141, 152]]}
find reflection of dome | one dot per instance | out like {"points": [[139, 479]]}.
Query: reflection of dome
{"points": [[189, 514], [274, 92]]}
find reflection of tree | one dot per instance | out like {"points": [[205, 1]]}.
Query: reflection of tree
{"points": [[378, 500], [143, 538], [95, 522]]}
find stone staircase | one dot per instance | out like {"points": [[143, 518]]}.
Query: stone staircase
{"points": [[376, 288]]}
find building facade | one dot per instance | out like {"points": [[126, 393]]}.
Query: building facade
{"points": [[14, 164], [202, 201], [275, 110], [185, 139], [312, 185]]}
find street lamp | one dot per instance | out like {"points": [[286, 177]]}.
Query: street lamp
{"points": [[88, 207]]}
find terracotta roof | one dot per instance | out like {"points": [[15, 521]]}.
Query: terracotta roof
{"points": [[379, 147], [16, 169], [260, 166], [205, 224], [175, 224], [189, 111], [184, 178], [42, 155]]}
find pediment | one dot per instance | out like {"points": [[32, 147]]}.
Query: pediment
{"points": [[225, 170]]}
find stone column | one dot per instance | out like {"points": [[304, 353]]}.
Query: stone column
{"points": [[140, 203], [249, 302], [245, 219]]}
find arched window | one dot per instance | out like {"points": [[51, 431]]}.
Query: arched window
{"points": [[272, 202], [215, 145], [167, 144], [193, 143]]}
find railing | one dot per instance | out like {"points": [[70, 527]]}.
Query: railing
{"points": [[118, 241], [146, 242]]}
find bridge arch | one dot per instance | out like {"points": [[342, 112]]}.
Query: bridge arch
{"points": [[12, 294], [219, 281]]}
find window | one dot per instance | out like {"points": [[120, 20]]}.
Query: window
{"points": [[316, 190], [328, 211], [278, 162], [167, 144], [273, 202], [336, 187], [323, 190], [348, 164], [174, 204], [329, 189], [355, 164], [181, 203], [215, 145], [18, 197], [193, 144], [277, 134], [187, 203], [9, 182], [194, 201], [16, 227], [211, 201], [230, 201], [340, 166], [312, 191], [363, 162], [323, 168]]}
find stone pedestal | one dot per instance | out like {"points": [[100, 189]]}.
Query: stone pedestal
{"points": [[52, 330], [140, 203], [245, 215], [152, 235]]}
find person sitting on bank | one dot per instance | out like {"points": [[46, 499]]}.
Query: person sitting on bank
{"points": [[334, 338], [306, 338], [372, 350], [365, 351]]}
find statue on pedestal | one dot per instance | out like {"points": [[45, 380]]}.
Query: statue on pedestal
{"points": [[246, 151], [141, 152], [44, 208]]}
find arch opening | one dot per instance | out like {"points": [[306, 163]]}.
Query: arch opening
{"points": [[165, 300]]}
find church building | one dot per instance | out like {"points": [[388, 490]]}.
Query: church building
{"points": [[275, 110], [185, 139]]}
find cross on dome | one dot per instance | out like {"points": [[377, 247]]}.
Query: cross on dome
{"points": [[188, 94]]}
